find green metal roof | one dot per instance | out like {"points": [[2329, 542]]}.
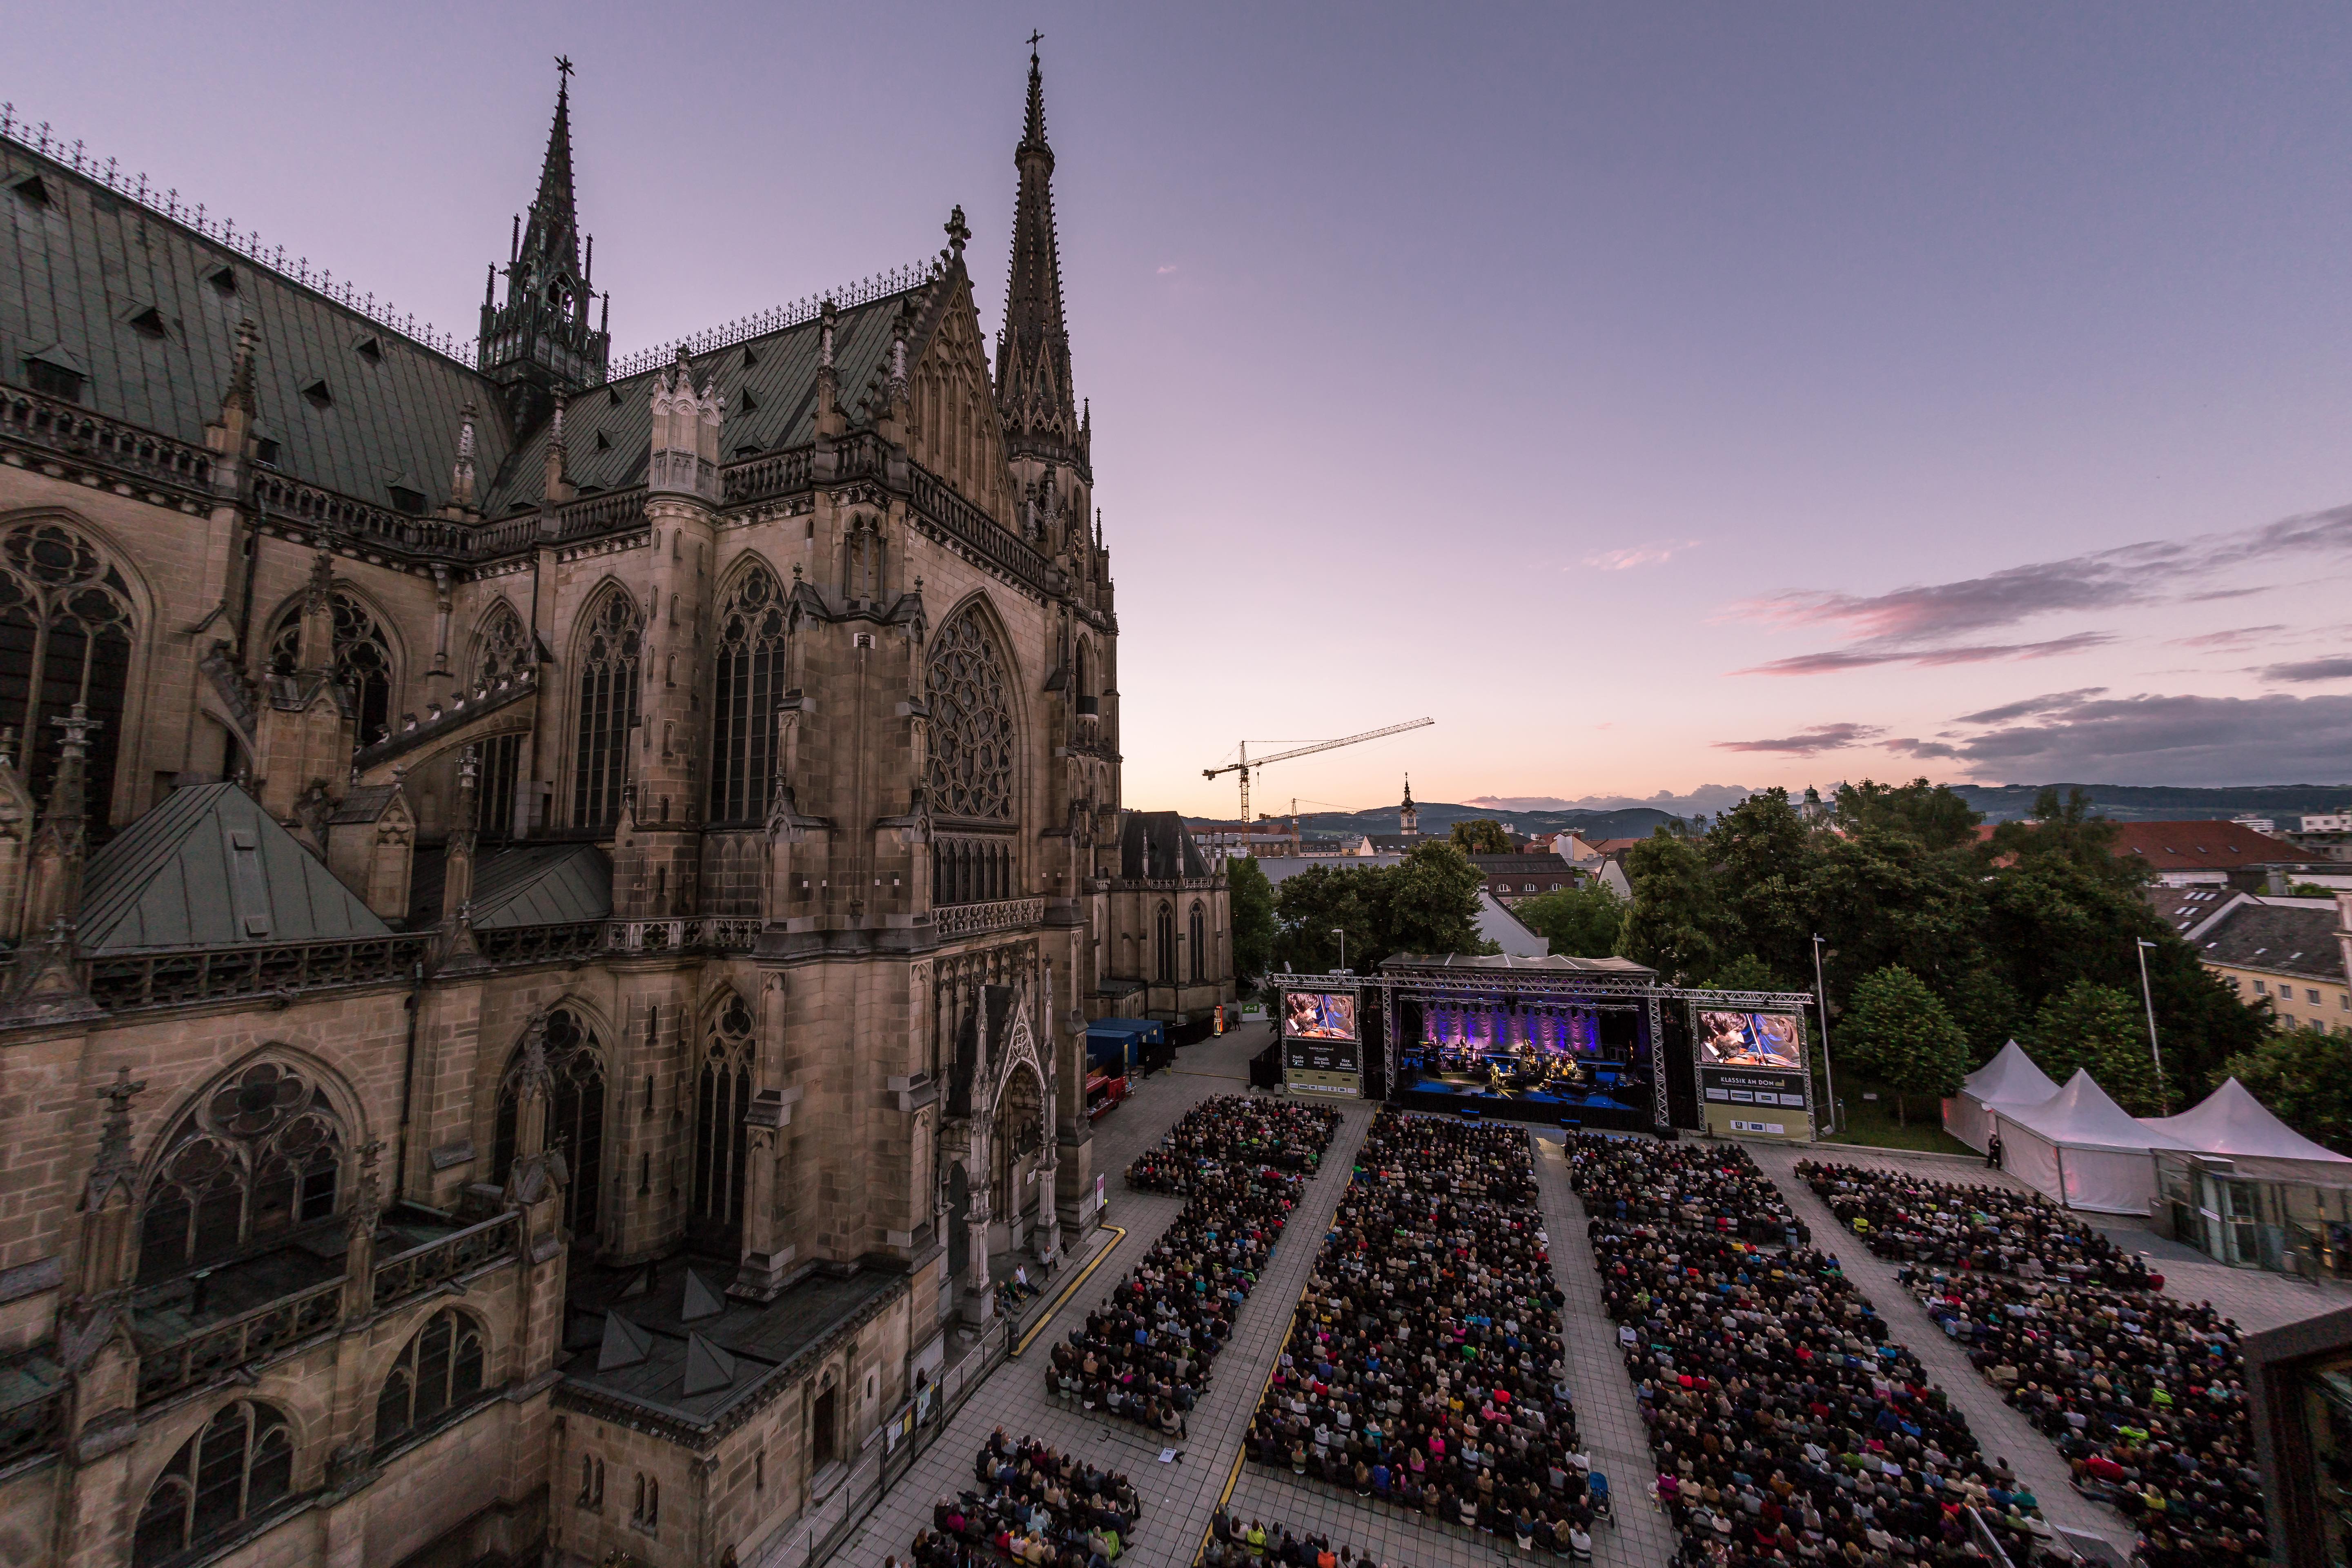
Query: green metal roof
{"points": [[77, 272], [778, 370], [529, 885], [208, 869]]}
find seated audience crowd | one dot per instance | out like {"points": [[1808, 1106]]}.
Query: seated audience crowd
{"points": [[1233, 1545], [1973, 1226], [1145, 1353], [1423, 1366], [1032, 1506], [1787, 1426], [2144, 1394], [1287, 1134]]}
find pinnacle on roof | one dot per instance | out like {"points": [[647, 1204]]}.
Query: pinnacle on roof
{"points": [[1033, 360]]}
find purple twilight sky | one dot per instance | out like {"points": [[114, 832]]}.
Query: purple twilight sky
{"points": [[1651, 395]]}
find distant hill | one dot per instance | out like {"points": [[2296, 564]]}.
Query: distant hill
{"points": [[2162, 802], [1437, 819]]}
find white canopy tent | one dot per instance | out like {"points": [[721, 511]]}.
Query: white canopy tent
{"points": [[2083, 1149], [2230, 1121], [2009, 1079]]}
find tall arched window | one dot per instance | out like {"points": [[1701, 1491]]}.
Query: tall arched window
{"points": [[575, 1115], [721, 1140], [439, 1371], [235, 1469], [256, 1157], [1198, 931], [504, 647], [971, 732], [362, 654], [607, 711], [65, 638], [751, 678], [1163, 941]]}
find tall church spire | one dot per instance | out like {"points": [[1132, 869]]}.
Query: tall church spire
{"points": [[540, 344], [554, 233], [1033, 360]]}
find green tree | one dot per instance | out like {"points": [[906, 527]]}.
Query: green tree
{"points": [[1481, 836], [1677, 921], [2068, 829], [2103, 1028], [1317, 901], [2304, 1077], [1749, 972], [1935, 815], [1428, 903], [1895, 1031], [1579, 922], [1251, 899]]}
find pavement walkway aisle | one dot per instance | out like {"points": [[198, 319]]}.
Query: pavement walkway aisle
{"points": [[2005, 1433], [1179, 1497]]}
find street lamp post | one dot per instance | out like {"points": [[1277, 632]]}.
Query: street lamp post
{"points": [[1822, 1001], [2155, 1051], [1343, 948]]}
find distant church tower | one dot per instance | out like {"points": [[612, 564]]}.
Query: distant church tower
{"points": [[1408, 815], [539, 345]]}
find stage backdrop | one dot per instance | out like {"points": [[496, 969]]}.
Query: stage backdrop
{"points": [[1753, 1076]]}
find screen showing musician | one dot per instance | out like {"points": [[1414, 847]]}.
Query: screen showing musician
{"points": [[1750, 1040], [1319, 1015]]}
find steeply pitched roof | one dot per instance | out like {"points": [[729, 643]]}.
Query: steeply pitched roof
{"points": [[1495, 865], [608, 434], [81, 268], [2202, 846], [1155, 846], [208, 869], [2270, 934], [529, 885], [1501, 927]]}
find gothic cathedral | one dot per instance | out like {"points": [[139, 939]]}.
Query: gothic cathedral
{"points": [[549, 905]]}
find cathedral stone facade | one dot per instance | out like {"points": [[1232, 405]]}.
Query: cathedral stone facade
{"points": [[551, 905]]}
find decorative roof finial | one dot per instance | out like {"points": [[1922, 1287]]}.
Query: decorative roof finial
{"points": [[959, 231]]}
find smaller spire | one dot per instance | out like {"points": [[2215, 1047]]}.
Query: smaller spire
{"points": [[461, 476], [114, 1166]]}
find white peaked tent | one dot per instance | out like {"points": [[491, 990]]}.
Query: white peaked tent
{"points": [[2231, 1121], [2009, 1079], [2083, 1149]]}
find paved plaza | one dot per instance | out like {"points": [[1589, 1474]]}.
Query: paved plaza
{"points": [[1179, 1496]]}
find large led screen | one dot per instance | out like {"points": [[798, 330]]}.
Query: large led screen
{"points": [[1751, 1040], [1318, 1014]]}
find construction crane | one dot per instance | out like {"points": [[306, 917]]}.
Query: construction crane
{"points": [[1244, 766]]}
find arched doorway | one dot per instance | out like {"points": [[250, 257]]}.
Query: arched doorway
{"points": [[959, 1220], [1016, 1146]]}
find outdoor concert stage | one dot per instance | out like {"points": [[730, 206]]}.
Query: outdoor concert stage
{"points": [[1528, 1039], [1528, 1063]]}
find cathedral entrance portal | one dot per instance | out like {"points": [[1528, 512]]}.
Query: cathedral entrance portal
{"points": [[1014, 1143]]}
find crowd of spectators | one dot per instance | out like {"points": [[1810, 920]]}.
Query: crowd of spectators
{"points": [[2144, 1394], [1233, 1545], [1033, 1506], [1287, 1134], [1788, 1425], [1972, 1226], [1145, 1353], [1423, 1366]]}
